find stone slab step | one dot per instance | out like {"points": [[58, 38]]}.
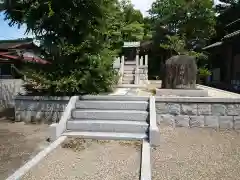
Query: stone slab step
{"points": [[127, 82], [126, 71], [129, 67], [112, 105], [107, 136], [108, 126], [129, 75], [132, 115], [133, 62], [130, 78], [114, 97]]}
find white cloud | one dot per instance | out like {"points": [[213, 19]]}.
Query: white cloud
{"points": [[143, 5]]}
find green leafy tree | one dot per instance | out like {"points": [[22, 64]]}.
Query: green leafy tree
{"points": [[193, 19], [77, 37], [132, 21], [177, 45]]}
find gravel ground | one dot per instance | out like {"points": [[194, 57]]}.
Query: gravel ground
{"points": [[19, 142], [196, 154], [92, 160]]}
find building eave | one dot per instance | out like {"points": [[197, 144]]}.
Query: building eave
{"points": [[216, 44]]}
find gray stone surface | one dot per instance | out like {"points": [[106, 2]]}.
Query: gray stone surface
{"points": [[9, 88], [236, 122], [219, 110], [225, 122], [233, 109], [182, 92], [161, 108], [189, 109], [114, 105], [39, 109], [196, 121], [110, 115], [204, 109], [116, 97], [35, 105], [108, 126], [37, 116], [182, 121], [211, 121], [208, 100], [174, 109], [166, 118]]}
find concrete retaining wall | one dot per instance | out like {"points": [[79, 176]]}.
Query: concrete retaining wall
{"points": [[9, 88], [211, 112], [39, 108]]}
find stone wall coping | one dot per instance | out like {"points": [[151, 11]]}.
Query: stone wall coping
{"points": [[219, 90], [43, 98], [197, 99], [154, 134], [61, 126]]}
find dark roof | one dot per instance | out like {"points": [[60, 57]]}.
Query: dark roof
{"points": [[233, 34], [11, 44]]}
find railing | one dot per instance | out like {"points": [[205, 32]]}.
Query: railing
{"points": [[121, 70], [57, 129], [154, 135], [136, 76]]}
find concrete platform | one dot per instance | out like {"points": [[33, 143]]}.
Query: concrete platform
{"points": [[182, 92]]}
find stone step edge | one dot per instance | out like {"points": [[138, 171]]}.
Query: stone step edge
{"points": [[115, 122], [115, 97], [106, 135]]}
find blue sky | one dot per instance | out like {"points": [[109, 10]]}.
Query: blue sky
{"points": [[7, 32]]}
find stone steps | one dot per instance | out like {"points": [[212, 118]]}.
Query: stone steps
{"points": [[129, 67], [129, 75], [128, 78], [112, 105], [107, 135], [132, 115], [118, 126], [127, 82], [133, 62], [129, 71], [114, 98], [109, 117]]}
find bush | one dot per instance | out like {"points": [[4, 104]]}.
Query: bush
{"points": [[90, 74]]}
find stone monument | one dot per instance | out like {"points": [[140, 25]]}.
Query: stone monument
{"points": [[180, 72]]}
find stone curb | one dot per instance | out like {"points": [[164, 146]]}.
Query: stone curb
{"points": [[145, 173], [34, 161]]}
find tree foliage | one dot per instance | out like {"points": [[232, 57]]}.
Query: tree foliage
{"points": [[132, 21], [77, 36], [193, 19]]}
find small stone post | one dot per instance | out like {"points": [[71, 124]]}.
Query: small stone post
{"points": [[141, 61], [146, 60], [122, 60]]}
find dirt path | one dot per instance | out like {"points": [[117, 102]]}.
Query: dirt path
{"points": [[111, 160], [197, 154], [19, 142]]}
